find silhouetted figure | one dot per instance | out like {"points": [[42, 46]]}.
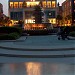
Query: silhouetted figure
{"points": [[66, 31], [63, 33]]}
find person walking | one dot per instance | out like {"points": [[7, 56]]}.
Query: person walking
{"points": [[66, 31], [62, 33]]}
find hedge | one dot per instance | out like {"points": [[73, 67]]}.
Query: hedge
{"points": [[72, 33], [9, 30], [40, 32], [11, 36]]}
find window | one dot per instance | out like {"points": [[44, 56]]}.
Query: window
{"points": [[70, 3], [20, 4], [32, 4], [49, 4], [15, 4], [53, 4], [53, 21], [16, 15], [44, 3], [11, 4]]}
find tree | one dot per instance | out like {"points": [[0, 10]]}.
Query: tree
{"points": [[41, 4], [5, 21], [24, 4], [68, 18], [20, 22], [59, 18], [38, 14], [1, 20]]}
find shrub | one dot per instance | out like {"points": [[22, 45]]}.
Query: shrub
{"points": [[14, 35], [9, 30], [69, 28], [40, 32], [72, 33], [11, 36], [72, 28]]}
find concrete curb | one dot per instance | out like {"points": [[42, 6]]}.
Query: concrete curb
{"points": [[38, 49], [18, 40], [38, 56], [12, 40]]}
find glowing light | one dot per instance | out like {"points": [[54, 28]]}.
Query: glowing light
{"points": [[33, 25], [33, 68], [40, 26], [32, 3], [53, 21], [29, 21]]}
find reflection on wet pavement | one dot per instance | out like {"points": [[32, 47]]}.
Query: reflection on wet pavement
{"points": [[37, 68]]}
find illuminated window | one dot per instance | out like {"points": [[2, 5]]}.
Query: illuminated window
{"points": [[48, 4], [53, 21], [11, 4], [53, 4], [44, 3], [20, 4], [15, 4], [70, 3], [32, 0], [32, 4]]}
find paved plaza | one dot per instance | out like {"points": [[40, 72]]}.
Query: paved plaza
{"points": [[38, 42], [40, 47]]}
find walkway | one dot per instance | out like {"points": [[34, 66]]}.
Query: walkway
{"points": [[38, 42], [38, 47]]}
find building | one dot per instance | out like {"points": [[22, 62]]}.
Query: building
{"points": [[1, 10], [73, 11], [23, 10], [68, 12], [59, 15], [59, 9], [1, 14]]}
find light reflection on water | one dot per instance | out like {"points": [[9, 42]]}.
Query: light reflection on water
{"points": [[37, 68], [33, 68]]}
